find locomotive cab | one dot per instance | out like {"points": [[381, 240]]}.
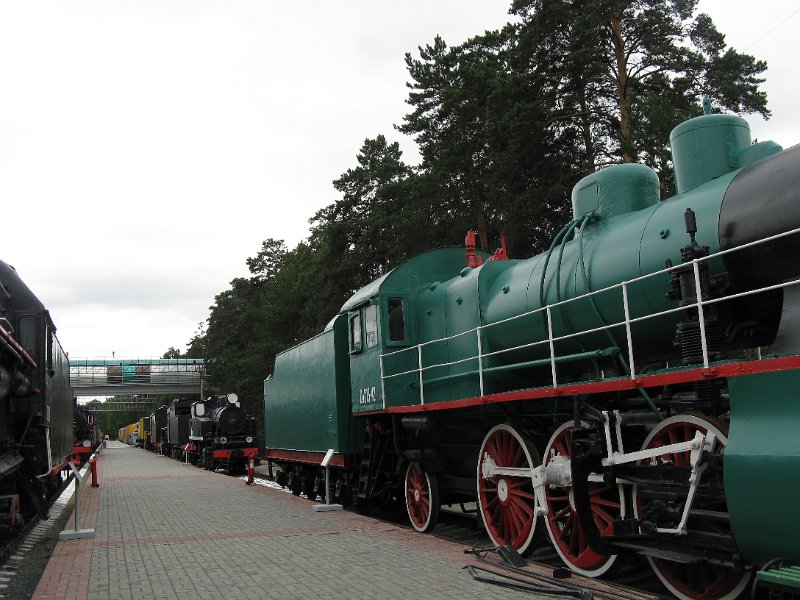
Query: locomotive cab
{"points": [[384, 322]]}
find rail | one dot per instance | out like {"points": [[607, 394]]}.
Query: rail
{"points": [[480, 356]]}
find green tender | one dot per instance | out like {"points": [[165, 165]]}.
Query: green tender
{"points": [[307, 399], [763, 452]]}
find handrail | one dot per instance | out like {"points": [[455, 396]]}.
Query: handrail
{"points": [[627, 322]]}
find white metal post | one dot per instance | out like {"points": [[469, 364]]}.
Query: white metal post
{"points": [[328, 506], [480, 359], [78, 533], [421, 391], [383, 386], [77, 504], [700, 315], [552, 347], [625, 305]]}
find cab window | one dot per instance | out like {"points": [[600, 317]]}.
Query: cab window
{"points": [[49, 355], [27, 334], [397, 323], [355, 332], [371, 325]]}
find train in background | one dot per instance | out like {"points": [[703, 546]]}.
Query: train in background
{"points": [[86, 435], [37, 408], [129, 434], [633, 390], [214, 433]]}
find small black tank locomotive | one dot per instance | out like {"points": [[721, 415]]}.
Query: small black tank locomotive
{"points": [[222, 435]]}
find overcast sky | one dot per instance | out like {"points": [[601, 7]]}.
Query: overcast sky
{"points": [[147, 147]]}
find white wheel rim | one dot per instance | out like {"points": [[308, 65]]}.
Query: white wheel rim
{"points": [[409, 510], [708, 426], [502, 484]]}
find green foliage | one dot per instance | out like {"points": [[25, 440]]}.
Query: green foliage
{"points": [[489, 161], [506, 124], [623, 73], [172, 353], [110, 421]]}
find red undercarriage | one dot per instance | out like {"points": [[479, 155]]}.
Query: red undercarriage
{"points": [[245, 453], [312, 458], [240, 452], [63, 464], [77, 451]]}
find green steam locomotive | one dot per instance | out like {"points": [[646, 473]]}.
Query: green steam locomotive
{"points": [[632, 389]]}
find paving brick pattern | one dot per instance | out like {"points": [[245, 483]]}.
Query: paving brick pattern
{"points": [[173, 531]]}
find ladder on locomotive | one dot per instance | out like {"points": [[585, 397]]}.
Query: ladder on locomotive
{"points": [[372, 457]]}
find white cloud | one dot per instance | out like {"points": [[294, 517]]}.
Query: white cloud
{"points": [[148, 147]]}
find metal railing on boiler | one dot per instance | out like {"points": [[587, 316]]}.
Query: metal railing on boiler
{"points": [[551, 340]]}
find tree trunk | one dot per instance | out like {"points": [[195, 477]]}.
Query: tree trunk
{"points": [[621, 80], [586, 129], [480, 220]]}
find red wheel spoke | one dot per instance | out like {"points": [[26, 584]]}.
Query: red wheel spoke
{"points": [[573, 534], [505, 450], [603, 502], [564, 511], [602, 519], [517, 461], [516, 519], [524, 506]]}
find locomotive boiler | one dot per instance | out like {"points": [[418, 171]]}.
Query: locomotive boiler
{"points": [[631, 389]]}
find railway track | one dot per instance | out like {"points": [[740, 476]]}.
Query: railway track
{"points": [[24, 556]]}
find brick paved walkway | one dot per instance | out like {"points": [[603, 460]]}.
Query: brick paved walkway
{"points": [[173, 531]]}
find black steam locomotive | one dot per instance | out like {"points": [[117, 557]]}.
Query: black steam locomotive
{"points": [[36, 404], [221, 435]]}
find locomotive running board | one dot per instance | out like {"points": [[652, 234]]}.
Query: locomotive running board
{"points": [[715, 371]]}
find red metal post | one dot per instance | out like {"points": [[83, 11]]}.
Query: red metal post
{"points": [[501, 253], [251, 471], [95, 474], [473, 260]]}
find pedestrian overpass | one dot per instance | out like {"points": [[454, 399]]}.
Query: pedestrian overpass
{"points": [[134, 377]]}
